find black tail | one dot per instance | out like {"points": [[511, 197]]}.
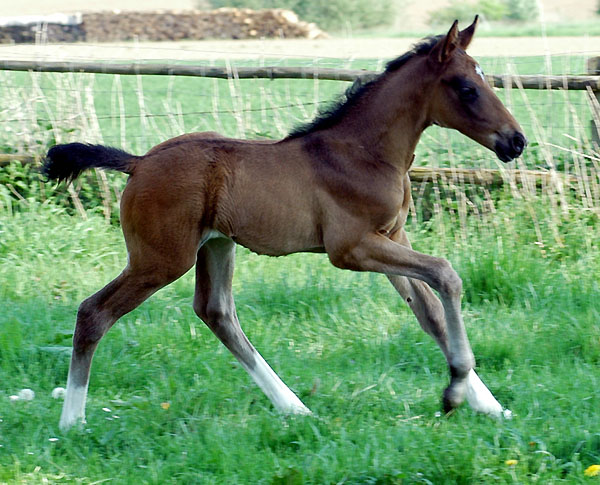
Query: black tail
{"points": [[66, 162]]}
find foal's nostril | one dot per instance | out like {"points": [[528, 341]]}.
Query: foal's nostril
{"points": [[518, 142]]}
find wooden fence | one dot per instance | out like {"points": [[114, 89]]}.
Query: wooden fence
{"points": [[481, 176], [590, 83]]}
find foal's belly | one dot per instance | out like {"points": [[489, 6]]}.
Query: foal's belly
{"points": [[278, 239]]}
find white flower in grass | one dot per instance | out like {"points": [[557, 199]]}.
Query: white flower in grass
{"points": [[58, 393], [26, 395]]}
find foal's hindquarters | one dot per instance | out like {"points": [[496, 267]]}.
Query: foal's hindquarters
{"points": [[169, 227]]}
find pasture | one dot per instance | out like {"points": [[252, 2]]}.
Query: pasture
{"points": [[169, 404]]}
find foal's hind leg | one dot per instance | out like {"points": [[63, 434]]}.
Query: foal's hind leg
{"points": [[430, 313], [95, 317], [213, 303]]}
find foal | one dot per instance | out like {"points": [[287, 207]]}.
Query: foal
{"points": [[339, 186]]}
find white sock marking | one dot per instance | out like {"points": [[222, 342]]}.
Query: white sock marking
{"points": [[74, 406], [481, 399], [280, 395]]}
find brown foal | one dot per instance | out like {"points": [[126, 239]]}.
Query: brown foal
{"points": [[339, 185]]}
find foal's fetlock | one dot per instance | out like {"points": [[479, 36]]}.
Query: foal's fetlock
{"points": [[454, 395], [456, 392]]}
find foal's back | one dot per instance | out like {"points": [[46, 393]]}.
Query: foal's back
{"points": [[255, 192]]}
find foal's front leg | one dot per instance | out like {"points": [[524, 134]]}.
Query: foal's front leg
{"points": [[430, 313], [379, 254]]}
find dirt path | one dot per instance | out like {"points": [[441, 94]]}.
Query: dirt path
{"points": [[269, 49]]}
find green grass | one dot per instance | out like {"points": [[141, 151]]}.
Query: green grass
{"points": [[343, 341]]}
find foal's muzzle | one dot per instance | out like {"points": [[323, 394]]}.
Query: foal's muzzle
{"points": [[509, 147]]}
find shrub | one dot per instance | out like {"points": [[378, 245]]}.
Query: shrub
{"points": [[491, 10], [522, 10], [329, 15]]}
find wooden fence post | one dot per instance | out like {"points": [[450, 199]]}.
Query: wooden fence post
{"points": [[594, 70]]}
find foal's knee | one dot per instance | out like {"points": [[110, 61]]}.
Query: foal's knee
{"points": [[210, 313], [447, 280], [200, 310]]}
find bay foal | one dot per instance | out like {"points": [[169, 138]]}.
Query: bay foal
{"points": [[339, 185]]}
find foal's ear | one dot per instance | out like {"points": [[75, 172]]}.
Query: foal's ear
{"points": [[466, 36], [446, 45]]}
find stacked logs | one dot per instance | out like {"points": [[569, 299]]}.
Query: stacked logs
{"points": [[224, 23], [38, 32]]}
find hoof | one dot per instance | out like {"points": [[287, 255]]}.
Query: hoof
{"points": [[299, 410], [66, 424], [482, 400]]}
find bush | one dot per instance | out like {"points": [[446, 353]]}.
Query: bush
{"points": [[490, 10], [330, 15], [24, 182], [493, 10], [522, 10]]}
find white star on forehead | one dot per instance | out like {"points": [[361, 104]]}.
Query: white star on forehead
{"points": [[479, 71]]}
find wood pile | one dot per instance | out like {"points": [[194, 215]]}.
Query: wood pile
{"points": [[223, 23], [36, 33]]}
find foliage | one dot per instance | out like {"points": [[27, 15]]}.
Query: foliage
{"points": [[490, 10], [25, 182], [521, 10], [578, 28], [332, 15]]}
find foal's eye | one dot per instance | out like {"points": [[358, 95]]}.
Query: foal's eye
{"points": [[467, 93]]}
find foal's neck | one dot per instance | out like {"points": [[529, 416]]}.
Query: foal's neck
{"points": [[389, 120]]}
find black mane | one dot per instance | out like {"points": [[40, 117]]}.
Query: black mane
{"points": [[334, 112]]}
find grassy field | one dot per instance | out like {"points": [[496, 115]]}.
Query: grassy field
{"points": [[168, 403], [343, 341]]}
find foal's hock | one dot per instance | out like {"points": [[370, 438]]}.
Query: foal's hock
{"points": [[338, 185]]}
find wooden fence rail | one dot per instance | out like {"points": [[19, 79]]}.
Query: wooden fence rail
{"points": [[520, 81], [478, 176]]}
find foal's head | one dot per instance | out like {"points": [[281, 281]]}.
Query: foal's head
{"points": [[462, 99]]}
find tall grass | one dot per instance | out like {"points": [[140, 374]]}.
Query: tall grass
{"points": [[168, 403]]}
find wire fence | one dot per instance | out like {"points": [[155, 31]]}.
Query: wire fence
{"points": [[44, 102], [258, 98]]}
